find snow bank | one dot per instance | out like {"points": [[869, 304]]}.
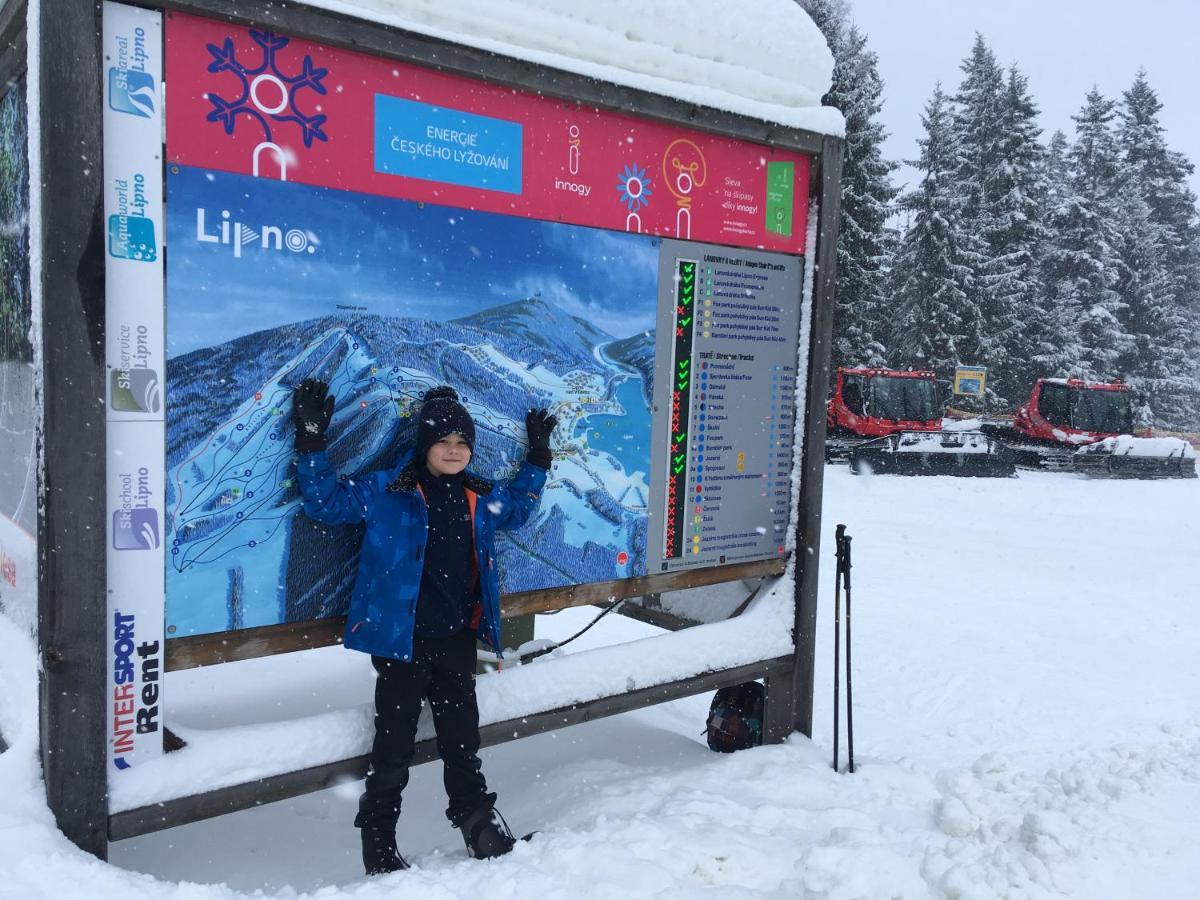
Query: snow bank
{"points": [[1126, 445], [773, 64], [972, 424], [1025, 726], [223, 756]]}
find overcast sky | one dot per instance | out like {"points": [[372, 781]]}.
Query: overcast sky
{"points": [[1063, 46]]}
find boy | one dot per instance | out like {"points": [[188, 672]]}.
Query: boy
{"points": [[426, 583]]}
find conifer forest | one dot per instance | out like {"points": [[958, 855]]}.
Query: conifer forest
{"points": [[1060, 255]]}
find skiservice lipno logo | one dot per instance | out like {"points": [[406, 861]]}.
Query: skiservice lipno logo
{"points": [[130, 86], [134, 384], [135, 522]]}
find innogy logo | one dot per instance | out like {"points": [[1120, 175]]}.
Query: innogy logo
{"points": [[130, 86], [237, 235]]}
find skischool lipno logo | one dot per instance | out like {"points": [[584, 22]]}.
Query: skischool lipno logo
{"points": [[135, 521]]}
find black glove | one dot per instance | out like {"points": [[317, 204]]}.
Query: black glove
{"points": [[312, 408], [538, 425]]}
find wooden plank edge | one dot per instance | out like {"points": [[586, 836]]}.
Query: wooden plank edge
{"points": [[266, 640], [197, 807]]}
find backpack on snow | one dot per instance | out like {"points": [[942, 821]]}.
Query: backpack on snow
{"points": [[735, 717]]}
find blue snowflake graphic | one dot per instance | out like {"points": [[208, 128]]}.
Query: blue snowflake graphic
{"points": [[227, 111], [634, 187]]}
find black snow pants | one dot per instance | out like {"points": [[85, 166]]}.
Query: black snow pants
{"points": [[444, 671]]}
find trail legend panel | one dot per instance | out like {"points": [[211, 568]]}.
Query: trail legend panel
{"points": [[678, 436], [728, 329]]}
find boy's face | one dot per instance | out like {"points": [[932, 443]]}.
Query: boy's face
{"points": [[449, 456]]}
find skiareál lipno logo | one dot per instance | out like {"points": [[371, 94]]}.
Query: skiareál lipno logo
{"points": [[130, 86]]}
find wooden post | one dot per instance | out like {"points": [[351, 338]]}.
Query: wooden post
{"points": [[71, 528], [812, 464]]}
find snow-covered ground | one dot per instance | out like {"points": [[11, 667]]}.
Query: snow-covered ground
{"points": [[1026, 724]]}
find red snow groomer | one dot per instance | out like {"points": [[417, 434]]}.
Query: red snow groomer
{"points": [[1086, 426], [890, 422]]}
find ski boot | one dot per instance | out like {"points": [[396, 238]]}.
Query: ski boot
{"points": [[379, 852], [486, 834]]}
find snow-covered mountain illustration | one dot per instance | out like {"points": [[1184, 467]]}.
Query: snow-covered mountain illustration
{"points": [[242, 553]]}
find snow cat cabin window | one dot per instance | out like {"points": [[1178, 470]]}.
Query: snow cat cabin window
{"points": [[1106, 412], [852, 393], [910, 399], [1054, 404]]}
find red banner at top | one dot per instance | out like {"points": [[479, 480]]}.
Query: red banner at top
{"points": [[259, 103]]}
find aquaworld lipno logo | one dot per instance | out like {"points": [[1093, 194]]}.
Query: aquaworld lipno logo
{"points": [[130, 229], [130, 86]]}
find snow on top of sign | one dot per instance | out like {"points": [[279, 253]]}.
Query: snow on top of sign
{"points": [[773, 65]]}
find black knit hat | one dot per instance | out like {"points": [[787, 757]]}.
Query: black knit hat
{"points": [[441, 414]]}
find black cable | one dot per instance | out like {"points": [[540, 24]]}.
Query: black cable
{"points": [[542, 651]]}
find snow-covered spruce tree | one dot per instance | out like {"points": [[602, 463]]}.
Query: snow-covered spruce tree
{"points": [[1058, 170], [865, 243], [977, 123], [1160, 281], [1012, 224], [1061, 321], [1152, 312], [935, 323], [1080, 267]]}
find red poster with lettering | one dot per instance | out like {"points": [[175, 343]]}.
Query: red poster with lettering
{"points": [[259, 103]]}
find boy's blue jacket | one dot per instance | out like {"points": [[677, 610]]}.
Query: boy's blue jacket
{"points": [[384, 604]]}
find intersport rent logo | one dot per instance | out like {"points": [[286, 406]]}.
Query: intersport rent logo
{"points": [[223, 230]]}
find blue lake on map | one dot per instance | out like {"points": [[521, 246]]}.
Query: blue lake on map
{"points": [[625, 437]]}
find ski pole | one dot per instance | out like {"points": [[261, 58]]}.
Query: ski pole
{"points": [[849, 690], [837, 642]]}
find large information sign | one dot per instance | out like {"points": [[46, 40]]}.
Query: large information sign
{"points": [[387, 228]]}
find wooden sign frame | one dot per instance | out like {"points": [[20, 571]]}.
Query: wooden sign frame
{"points": [[71, 529]]}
